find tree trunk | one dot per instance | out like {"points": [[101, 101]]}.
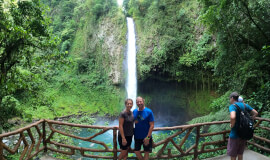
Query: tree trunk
{"points": [[196, 83], [186, 87], [202, 82], [208, 83]]}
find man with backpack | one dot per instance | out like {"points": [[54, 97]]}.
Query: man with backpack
{"points": [[241, 126]]}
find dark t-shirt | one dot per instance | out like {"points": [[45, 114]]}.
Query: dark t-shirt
{"points": [[128, 123]]}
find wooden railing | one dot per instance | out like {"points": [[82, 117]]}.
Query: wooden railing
{"points": [[27, 152], [37, 137]]}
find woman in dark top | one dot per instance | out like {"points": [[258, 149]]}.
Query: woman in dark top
{"points": [[125, 133]]}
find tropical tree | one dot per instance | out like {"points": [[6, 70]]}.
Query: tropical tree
{"points": [[24, 33]]}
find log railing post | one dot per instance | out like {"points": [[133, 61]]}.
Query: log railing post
{"points": [[197, 143], [44, 136], [1, 149], [114, 143], [169, 153]]}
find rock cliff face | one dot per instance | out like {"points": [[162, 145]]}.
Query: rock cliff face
{"points": [[104, 41], [113, 44]]}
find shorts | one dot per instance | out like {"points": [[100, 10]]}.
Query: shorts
{"points": [[129, 140], [139, 143], [236, 147]]}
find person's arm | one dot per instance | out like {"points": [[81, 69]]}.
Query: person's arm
{"points": [[150, 129], [121, 123], [146, 139], [254, 113], [151, 123], [233, 118]]}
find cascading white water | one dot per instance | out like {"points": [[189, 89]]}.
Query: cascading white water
{"points": [[131, 81]]}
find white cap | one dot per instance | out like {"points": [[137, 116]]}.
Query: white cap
{"points": [[240, 99]]}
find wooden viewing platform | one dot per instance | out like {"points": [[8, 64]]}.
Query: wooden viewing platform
{"points": [[248, 155], [38, 138]]}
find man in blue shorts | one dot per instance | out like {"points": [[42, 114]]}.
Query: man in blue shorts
{"points": [[236, 145], [144, 125]]}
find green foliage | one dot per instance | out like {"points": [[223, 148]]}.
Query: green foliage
{"points": [[238, 47], [24, 28], [199, 42], [206, 43], [70, 93], [173, 42], [48, 83], [14, 156], [214, 116], [101, 7], [10, 107], [83, 120], [84, 85], [261, 99], [221, 102], [64, 21], [200, 102], [26, 42], [167, 36]]}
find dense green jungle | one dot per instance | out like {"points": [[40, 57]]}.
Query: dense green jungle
{"points": [[65, 57]]}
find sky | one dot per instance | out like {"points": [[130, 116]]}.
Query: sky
{"points": [[120, 2]]}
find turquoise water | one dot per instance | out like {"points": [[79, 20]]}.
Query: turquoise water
{"points": [[168, 103], [106, 137]]}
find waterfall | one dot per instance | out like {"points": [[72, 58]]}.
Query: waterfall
{"points": [[131, 81]]}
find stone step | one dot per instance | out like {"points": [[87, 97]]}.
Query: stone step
{"points": [[248, 155], [47, 157]]}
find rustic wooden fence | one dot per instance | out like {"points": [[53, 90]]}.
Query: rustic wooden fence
{"points": [[38, 137]]}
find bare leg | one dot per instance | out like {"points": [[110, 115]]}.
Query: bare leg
{"points": [[139, 155], [240, 157], [146, 155], [233, 158], [126, 156], [123, 154]]}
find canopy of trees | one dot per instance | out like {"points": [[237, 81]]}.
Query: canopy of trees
{"points": [[53, 64], [39, 77], [206, 42], [24, 34]]}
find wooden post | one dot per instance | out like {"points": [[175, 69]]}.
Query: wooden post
{"points": [[114, 143], [1, 149], [224, 138], [44, 136], [197, 143], [169, 153]]}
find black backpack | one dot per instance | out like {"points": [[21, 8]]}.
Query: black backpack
{"points": [[245, 127]]}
